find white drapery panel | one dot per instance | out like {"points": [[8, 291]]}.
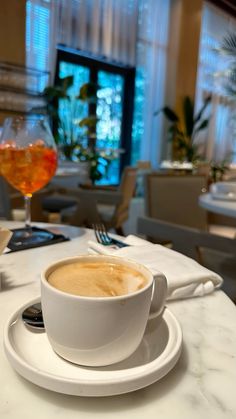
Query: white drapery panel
{"points": [[220, 141], [152, 58], [38, 33], [41, 34], [102, 27], [132, 32], [105, 28]]}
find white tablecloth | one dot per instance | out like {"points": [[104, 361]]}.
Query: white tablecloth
{"points": [[200, 386]]}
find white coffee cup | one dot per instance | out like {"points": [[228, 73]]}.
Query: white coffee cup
{"points": [[98, 331]]}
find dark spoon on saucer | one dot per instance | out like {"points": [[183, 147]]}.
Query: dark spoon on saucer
{"points": [[33, 316]]}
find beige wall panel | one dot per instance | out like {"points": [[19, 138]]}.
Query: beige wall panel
{"points": [[187, 61], [12, 31]]}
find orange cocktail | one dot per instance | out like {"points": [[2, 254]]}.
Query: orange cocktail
{"points": [[28, 168]]}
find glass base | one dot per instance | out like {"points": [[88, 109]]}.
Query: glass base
{"points": [[29, 236]]}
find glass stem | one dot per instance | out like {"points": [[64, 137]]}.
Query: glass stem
{"points": [[27, 211]]}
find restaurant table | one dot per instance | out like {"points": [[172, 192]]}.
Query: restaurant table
{"points": [[218, 206], [201, 385], [70, 174]]}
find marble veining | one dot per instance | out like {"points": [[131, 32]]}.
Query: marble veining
{"points": [[202, 384]]}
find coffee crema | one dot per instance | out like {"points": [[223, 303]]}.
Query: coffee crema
{"points": [[101, 279]]}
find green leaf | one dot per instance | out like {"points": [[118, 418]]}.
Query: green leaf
{"points": [[229, 44], [169, 114], [188, 115], [203, 125], [181, 143], [66, 82], [50, 92], [54, 92], [88, 92], [230, 86], [89, 122], [202, 110]]}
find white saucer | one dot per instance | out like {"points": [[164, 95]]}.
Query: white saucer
{"points": [[30, 353]]}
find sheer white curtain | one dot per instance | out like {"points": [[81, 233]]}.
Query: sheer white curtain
{"points": [[133, 32], [152, 45], [102, 27], [219, 144]]}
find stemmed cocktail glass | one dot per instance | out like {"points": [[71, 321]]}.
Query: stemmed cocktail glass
{"points": [[28, 160]]}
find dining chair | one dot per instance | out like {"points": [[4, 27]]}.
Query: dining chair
{"points": [[109, 205], [57, 200], [143, 168], [174, 198], [114, 216], [84, 211], [215, 252], [61, 206]]}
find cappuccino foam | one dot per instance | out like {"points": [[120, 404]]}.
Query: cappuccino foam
{"points": [[101, 279]]}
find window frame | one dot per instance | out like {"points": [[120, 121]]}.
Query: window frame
{"points": [[96, 64]]}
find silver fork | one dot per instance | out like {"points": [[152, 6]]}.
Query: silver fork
{"points": [[104, 238]]}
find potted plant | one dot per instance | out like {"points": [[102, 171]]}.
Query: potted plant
{"points": [[183, 133], [228, 47], [218, 170], [76, 135]]}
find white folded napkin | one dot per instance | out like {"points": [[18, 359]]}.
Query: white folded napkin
{"points": [[185, 277], [5, 236]]}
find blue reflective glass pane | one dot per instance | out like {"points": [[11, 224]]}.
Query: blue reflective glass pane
{"points": [[109, 112], [138, 122], [72, 110]]}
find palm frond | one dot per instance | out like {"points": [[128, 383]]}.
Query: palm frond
{"points": [[230, 90], [230, 85], [228, 45], [203, 125], [188, 108], [202, 110], [169, 114], [231, 74]]}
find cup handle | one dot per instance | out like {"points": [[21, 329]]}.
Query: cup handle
{"points": [[158, 296]]}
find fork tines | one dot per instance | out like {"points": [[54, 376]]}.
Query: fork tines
{"points": [[101, 234]]}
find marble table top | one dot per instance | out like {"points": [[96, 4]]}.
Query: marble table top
{"points": [[201, 385], [219, 206]]}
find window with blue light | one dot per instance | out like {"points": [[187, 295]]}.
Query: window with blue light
{"points": [[111, 107], [114, 118]]}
